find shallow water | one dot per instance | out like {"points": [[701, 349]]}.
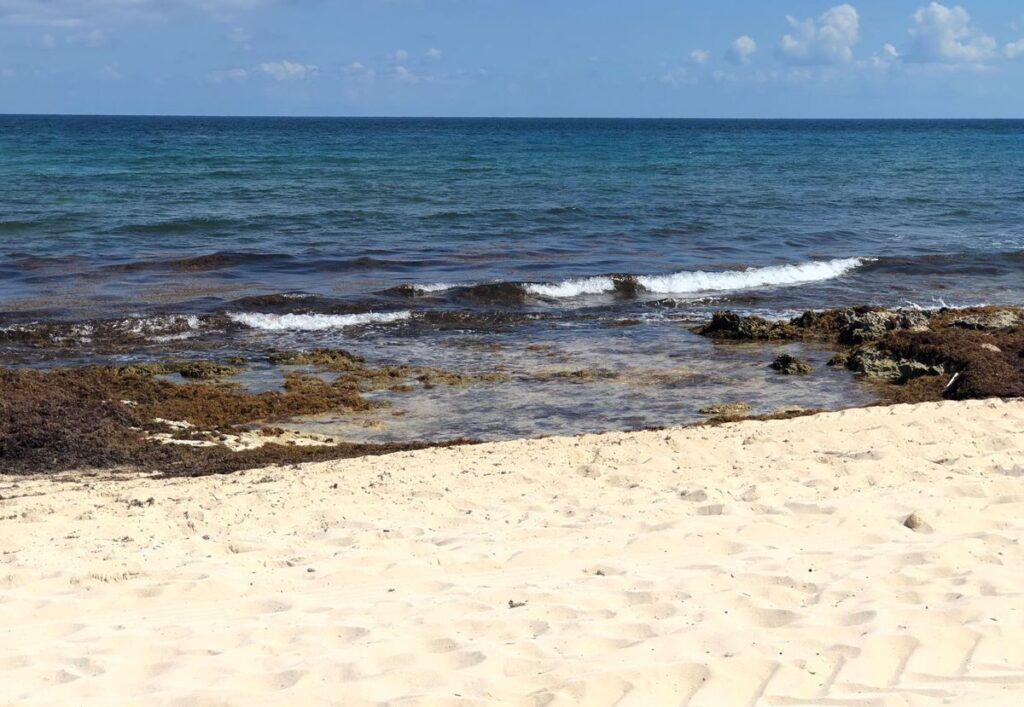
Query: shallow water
{"points": [[461, 243]]}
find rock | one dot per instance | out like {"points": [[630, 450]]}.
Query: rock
{"points": [[697, 496], [733, 409], [713, 509], [860, 326], [1002, 319], [916, 523], [730, 325], [839, 359], [789, 410], [791, 365], [206, 370], [991, 347], [876, 363]]}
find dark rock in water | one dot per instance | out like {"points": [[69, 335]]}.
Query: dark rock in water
{"points": [[207, 370], [1000, 319], [626, 285], [497, 292], [730, 325], [791, 365], [401, 291], [733, 409], [839, 359]]}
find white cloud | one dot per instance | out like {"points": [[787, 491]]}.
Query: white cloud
{"points": [[885, 57], [434, 54], [678, 77], [945, 35], [285, 70], [224, 75], [741, 49], [1014, 50], [700, 56], [829, 40], [401, 56], [358, 70]]}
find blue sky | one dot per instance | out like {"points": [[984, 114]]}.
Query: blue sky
{"points": [[658, 58]]}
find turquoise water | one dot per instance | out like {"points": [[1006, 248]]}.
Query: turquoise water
{"points": [[406, 238]]}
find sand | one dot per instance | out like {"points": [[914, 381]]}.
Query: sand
{"points": [[751, 563]]}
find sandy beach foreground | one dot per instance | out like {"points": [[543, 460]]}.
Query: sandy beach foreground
{"points": [[750, 563]]}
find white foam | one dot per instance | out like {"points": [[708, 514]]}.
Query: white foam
{"points": [[434, 287], [700, 281], [689, 282], [313, 322], [573, 288]]}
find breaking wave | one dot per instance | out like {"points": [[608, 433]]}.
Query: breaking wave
{"points": [[313, 322], [688, 282]]}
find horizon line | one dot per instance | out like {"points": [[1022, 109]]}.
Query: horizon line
{"points": [[486, 117]]}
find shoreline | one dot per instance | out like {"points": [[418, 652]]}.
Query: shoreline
{"points": [[194, 417], [770, 561]]}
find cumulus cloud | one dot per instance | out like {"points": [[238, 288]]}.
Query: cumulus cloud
{"points": [[434, 54], [945, 35], [225, 75], [1014, 50], [358, 70], [741, 49], [827, 40], [885, 57], [285, 70], [700, 56]]}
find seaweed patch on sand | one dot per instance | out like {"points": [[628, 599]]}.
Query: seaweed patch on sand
{"points": [[131, 416]]}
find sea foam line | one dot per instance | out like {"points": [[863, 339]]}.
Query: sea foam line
{"points": [[688, 282], [313, 322]]}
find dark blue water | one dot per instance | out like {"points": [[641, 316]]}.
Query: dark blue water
{"points": [[246, 232]]}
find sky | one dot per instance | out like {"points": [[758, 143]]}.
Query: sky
{"points": [[572, 58]]}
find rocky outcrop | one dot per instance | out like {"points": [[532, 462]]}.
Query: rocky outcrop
{"points": [[849, 326], [736, 327], [876, 362], [988, 321], [948, 353], [789, 365]]}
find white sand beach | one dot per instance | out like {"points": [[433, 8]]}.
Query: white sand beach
{"points": [[746, 564]]}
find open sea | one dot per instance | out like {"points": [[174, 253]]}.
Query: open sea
{"points": [[536, 247]]}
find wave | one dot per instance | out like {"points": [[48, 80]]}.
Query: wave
{"points": [[313, 322], [123, 331], [434, 287], [688, 282]]}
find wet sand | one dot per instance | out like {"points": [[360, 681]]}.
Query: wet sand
{"points": [[749, 563]]}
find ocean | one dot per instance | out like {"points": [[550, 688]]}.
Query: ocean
{"points": [[553, 250]]}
